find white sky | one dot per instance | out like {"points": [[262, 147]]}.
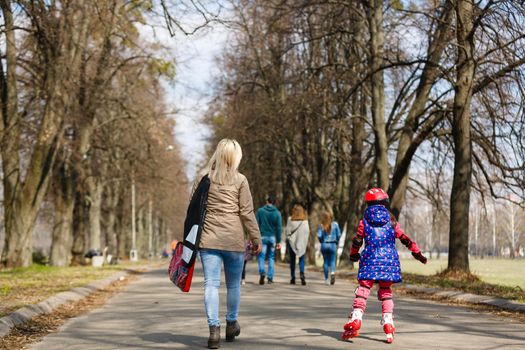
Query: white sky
{"points": [[191, 92]]}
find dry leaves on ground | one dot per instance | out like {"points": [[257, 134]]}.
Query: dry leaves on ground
{"points": [[32, 332]]}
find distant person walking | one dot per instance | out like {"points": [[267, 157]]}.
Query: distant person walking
{"points": [[297, 232], [248, 254], [229, 209], [270, 225], [328, 234]]}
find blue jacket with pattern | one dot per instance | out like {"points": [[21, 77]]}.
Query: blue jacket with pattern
{"points": [[379, 259]]}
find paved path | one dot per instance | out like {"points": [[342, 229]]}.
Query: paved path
{"points": [[152, 314]]}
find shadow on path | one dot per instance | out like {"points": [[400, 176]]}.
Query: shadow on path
{"points": [[152, 314], [170, 338]]}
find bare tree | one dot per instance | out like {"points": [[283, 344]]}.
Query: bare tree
{"points": [[58, 42]]}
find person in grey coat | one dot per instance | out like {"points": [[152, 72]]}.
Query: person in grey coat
{"points": [[297, 231]]}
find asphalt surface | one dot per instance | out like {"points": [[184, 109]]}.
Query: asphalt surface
{"points": [[152, 314]]}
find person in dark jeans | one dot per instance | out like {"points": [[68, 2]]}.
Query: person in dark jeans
{"points": [[329, 234], [270, 225], [297, 232]]}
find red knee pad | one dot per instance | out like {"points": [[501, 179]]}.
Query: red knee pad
{"points": [[362, 292], [384, 293], [361, 295]]}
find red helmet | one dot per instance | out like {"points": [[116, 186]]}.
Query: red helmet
{"points": [[375, 195]]}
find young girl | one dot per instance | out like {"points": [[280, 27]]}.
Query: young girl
{"points": [[379, 261], [329, 234]]}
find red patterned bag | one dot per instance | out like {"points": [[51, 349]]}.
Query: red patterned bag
{"points": [[182, 263], [179, 273]]}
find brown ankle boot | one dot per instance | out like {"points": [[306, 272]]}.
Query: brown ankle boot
{"points": [[214, 341], [233, 329]]}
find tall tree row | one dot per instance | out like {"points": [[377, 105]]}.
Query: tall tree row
{"points": [[330, 98], [82, 118]]}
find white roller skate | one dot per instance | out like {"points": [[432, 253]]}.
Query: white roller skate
{"points": [[387, 321]]}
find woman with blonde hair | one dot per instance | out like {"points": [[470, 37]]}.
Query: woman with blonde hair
{"points": [[297, 231], [328, 234], [229, 212]]}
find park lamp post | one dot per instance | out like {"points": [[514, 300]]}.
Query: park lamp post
{"points": [[151, 253], [150, 227], [133, 254]]}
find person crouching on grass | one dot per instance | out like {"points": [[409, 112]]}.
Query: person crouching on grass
{"points": [[379, 261]]}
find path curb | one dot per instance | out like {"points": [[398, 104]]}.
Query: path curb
{"points": [[451, 295], [468, 297], [26, 313]]}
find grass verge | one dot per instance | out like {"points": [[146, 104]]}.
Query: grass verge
{"points": [[24, 286], [467, 284], [502, 272], [22, 336], [446, 281]]}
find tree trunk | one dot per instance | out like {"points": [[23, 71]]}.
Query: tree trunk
{"points": [[95, 205], [313, 221], [141, 232], [357, 185], [18, 230], [440, 40], [79, 229], [62, 237], [17, 251], [111, 222], [158, 232], [122, 227], [377, 38], [23, 198], [460, 196]]}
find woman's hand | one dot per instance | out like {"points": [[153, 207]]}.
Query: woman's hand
{"points": [[256, 249]]}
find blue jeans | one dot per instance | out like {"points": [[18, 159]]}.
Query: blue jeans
{"points": [[212, 261], [268, 247], [293, 256], [329, 251]]}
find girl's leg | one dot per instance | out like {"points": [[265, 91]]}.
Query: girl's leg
{"points": [[211, 265], [361, 294], [333, 257], [333, 254], [301, 264], [385, 295], [326, 257], [233, 262], [353, 325], [301, 269], [292, 260], [387, 319]]}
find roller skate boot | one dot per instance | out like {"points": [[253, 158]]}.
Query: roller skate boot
{"points": [[387, 321], [353, 325]]}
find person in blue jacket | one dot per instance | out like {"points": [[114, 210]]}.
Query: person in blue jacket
{"points": [[270, 225], [329, 234]]}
